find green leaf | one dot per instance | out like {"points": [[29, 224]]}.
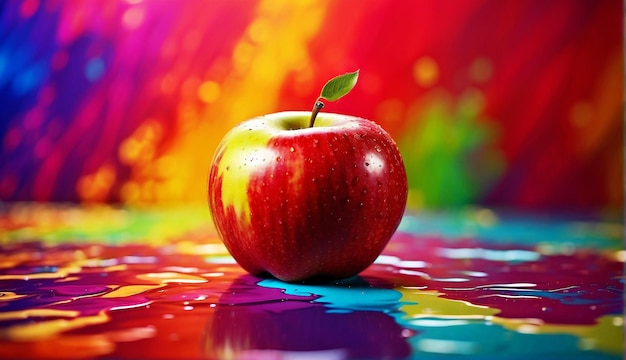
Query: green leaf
{"points": [[339, 86]]}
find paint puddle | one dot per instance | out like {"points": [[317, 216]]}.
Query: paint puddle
{"points": [[156, 287]]}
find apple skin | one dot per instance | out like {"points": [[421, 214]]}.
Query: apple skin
{"points": [[304, 203]]}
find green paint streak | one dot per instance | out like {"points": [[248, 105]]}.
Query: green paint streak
{"points": [[449, 151]]}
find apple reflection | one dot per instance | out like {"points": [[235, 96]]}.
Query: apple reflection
{"points": [[251, 321]]}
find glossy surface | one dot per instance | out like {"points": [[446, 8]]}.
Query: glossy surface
{"points": [[301, 202], [112, 283]]}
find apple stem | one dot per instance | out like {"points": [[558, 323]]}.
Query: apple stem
{"points": [[316, 109]]}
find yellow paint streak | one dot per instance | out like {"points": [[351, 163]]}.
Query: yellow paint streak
{"points": [[430, 304], [171, 277], [272, 47], [113, 268], [7, 295], [211, 246], [129, 290], [25, 314], [606, 335], [49, 328]]}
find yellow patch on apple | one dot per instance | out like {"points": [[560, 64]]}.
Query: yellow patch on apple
{"points": [[243, 140]]}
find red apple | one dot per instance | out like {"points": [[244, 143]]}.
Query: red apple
{"points": [[302, 202]]}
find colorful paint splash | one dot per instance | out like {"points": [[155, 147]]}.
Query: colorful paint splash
{"points": [[105, 282], [493, 103]]}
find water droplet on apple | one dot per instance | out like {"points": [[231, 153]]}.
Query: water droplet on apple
{"points": [[227, 168], [314, 179], [292, 149], [275, 143], [367, 164], [278, 158], [360, 204], [338, 219], [364, 191]]}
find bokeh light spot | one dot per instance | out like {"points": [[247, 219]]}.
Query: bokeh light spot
{"points": [[209, 91], [390, 110], [96, 186], [242, 55], [481, 70], [140, 146], [29, 8], [168, 84], [426, 71], [165, 166], [259, 30], [471, 102], [12, 139], [581, 114], [133, 17], [130, 192], [29, 79], [43, 147], [59, 60], [94, 69]]}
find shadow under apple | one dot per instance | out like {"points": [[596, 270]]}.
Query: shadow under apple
{"points": [[256, 318]]}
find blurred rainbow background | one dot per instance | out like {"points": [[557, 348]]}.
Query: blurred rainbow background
{"points": [[508, 104]]}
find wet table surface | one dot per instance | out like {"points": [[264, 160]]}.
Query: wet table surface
{"points": [[118, 283]]}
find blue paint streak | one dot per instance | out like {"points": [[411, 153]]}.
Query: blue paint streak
{"points": [[343, 297]]}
